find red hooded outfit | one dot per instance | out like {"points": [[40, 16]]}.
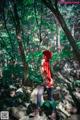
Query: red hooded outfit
{"points": [[45, 69]]}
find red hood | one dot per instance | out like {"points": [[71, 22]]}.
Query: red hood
{"points": [[48, 54]]}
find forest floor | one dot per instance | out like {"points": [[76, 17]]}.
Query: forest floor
{"points": [[66, 92]]}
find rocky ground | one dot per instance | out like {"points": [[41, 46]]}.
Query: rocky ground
{"points": [[16, 99]]}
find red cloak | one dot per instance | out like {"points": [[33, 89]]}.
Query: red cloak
{"points": [[46, 68]]}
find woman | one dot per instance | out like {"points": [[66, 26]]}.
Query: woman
{"points": [[46, 72]]}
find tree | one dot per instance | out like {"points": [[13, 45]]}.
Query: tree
{"points": [[5, 6], [56, 12], [19, 39]]}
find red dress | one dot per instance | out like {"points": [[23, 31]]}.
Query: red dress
{"points": [[46, 72]]}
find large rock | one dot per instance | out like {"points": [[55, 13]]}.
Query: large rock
{"points": [[17, 112]]}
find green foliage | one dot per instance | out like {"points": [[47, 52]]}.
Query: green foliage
{"points": [[66, 52], [34, 23], [76, 83], [78, 44], [11, 72], [34, 62], [27, 2], [56, 56]]}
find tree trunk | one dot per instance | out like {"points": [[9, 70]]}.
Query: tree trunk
{"points": [[61, 21], [19, 39], [59, 44], [58, 30], [55, 41], [73, 30]]}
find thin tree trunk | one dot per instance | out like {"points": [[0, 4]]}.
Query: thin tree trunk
{"points": [[73, 30], [61, 21], [58, 30], [19, 39], [59, 44], [55, 41]]}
